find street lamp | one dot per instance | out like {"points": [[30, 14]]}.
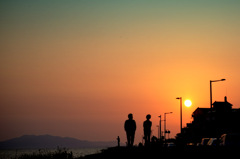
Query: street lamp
{"points": [[165, 120], [160, 127], [180, 113], [211, 89]]}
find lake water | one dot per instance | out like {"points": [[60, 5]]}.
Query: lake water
{"points": [[10, 154]]}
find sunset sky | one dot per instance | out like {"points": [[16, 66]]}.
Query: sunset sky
{"points": [[78, 68]]}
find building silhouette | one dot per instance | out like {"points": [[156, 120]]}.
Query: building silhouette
{"points": [[211, 122]]}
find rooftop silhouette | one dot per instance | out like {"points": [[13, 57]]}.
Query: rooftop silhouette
{"points": [[211, 122]]}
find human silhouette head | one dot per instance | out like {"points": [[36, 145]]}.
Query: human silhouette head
{"points": [[148, 116], [130, 116]]}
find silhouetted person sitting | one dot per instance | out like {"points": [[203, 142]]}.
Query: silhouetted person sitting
{"points": [[130, 128], [147, 129]]}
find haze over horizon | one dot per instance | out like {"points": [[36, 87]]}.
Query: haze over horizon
{"points": [[78, 68]]}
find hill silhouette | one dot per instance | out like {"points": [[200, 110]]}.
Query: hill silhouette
{"points": [[49, 141]]}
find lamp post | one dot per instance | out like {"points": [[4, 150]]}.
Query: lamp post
{"points": [[160, 127], [180, 113], [165, 122], [211, 89]]}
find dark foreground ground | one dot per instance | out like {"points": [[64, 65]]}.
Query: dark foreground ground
{"points": [[146, 153], [172, 152]]}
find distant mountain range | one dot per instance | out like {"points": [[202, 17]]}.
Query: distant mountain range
{"points": [[48, 141]]}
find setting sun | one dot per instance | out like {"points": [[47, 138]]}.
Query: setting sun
{"points": [[187, 103], [72, 69]]}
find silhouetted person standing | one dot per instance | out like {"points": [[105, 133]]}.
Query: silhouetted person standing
{"points": [[130, 128], [118, 140], [147, 124]]}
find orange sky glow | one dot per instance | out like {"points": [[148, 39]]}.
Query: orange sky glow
{"points": [[78, 68]]}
